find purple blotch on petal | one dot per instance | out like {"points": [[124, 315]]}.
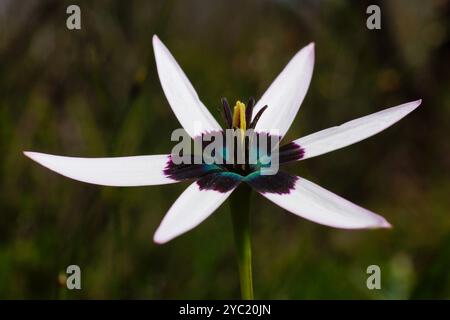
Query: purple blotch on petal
{"points": [[280, 183], [182, 171], [291, 152], [221, 181]]}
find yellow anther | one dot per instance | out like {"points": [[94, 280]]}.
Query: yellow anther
{"points": [[239, 120]]}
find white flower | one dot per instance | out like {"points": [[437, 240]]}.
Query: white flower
{"points": [[213, 185]]}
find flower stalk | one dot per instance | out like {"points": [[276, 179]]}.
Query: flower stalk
{"points": [[240, 216]]}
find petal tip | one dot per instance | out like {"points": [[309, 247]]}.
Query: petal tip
{"points": [[387, 225], [159, 239], [163, 235], [413, 105], [30, 154], [384, 224], [157, 43], [380, 223], [311, 47]]}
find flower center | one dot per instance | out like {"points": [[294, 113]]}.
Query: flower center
{"points": [[239, 121], [242, 154]]}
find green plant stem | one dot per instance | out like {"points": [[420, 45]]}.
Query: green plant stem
{"points": [[240, 216]]}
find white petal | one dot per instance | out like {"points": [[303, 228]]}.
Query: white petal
{"points": [[286, 93], [189, 110], [317, 204], [189, 210], [120, 171], [353, 131]]}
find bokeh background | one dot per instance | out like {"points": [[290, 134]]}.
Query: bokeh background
{"points": [[95, 92]]}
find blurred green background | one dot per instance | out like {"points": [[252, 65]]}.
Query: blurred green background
{"points": [[95, 92]]}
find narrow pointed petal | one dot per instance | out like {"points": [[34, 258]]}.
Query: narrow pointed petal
{"points": [[353, 131], [286, 93], [193, 206], [189, 110], [319, 205], [119, 171]]}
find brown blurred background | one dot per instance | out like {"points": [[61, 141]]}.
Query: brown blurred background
{"points": [[95, 92]]}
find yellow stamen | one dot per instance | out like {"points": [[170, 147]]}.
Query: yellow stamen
{"points": [[239, 120]]}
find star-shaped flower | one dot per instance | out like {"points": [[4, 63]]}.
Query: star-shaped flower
{"points": [[214, 183]]}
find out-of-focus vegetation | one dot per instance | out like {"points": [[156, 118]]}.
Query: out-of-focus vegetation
{"points": [[95, 92]]}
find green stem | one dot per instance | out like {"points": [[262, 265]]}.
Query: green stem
{"points": [[240, 215]]}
